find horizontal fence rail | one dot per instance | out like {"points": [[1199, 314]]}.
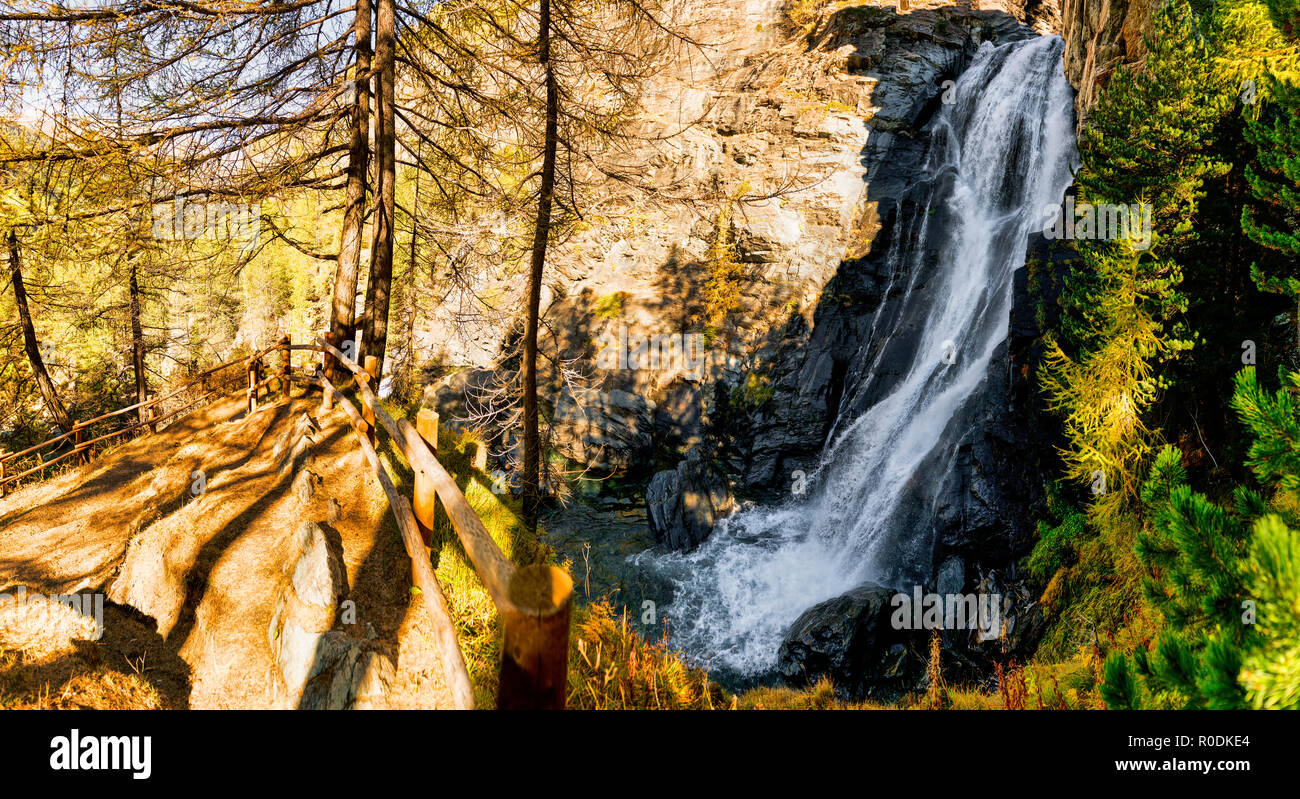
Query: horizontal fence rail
{"points": [[83, 442], [534, 602]]}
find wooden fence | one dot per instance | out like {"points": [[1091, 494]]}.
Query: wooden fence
{"points": [[151, 415], [534, 602]]}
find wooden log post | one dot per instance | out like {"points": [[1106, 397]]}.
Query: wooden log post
{"points": [[327, 371], [285, 367], [77, 437], [330, 370], [254, 376], [426, 497], [4, 487], [368, 410], [535, 652], [326, 396]]}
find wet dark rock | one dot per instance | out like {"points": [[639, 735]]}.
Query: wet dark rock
{"points": [[1025, 630], [951, 576], [850, 640], [684, 503], [679, 416]]}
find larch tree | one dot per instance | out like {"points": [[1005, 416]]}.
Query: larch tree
{"points": [[514, 111]]}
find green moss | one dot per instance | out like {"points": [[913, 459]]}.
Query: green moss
{"points": [[609, 306], [754, 392]]}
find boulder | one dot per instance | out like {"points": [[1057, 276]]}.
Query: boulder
{"points": [[459, 396], [952, 576], [850, 640], [684, 503]]}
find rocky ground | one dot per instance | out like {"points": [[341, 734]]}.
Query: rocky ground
{"points": [[275, 583]]}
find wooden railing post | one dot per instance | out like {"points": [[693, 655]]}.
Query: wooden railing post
{"points": [[326, 396], [328, 369], [425, 502], [4, 487], [252, 386], [535, 652], [368, 410], [327, 359], [285, 367], [77, 437]]}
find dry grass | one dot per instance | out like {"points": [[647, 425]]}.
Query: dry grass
{"points": [[819, 696], [50, 659], [936, 690], [71, 682], [611, 667]]}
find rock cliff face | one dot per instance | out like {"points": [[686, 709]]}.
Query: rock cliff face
{"points": [[778, 155], [792, 155], [1101, 35]]}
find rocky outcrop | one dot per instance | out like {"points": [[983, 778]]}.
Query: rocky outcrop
{"points": [[793, 150], [323, 668], [850, 640], [803, 147], [857, 641], [807, 362], [684, 503], [612, 431], [1101, 35]]}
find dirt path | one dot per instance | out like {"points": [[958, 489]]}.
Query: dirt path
{"points": [[193, 577], [69, 534]]}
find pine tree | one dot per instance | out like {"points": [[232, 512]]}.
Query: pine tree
{"points": [[1123, 308], [1271, 674], [1103, 392], [1273, 220], [1286, 15], [1148, 139], [1223, 576]]}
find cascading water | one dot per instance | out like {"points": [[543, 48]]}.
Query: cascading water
{"points": [[997, 155]]}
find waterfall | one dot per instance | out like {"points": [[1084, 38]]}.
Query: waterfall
{"points": [[997, 155]]}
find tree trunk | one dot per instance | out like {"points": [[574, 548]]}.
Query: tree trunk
{"points": [[531, 477], [343, 313], [137, 345], [412, 292], [43, 381], [375, 337]]}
